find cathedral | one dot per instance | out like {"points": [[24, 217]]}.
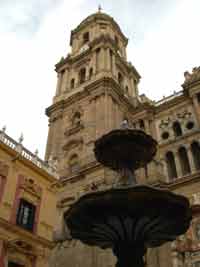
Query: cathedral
{"points": [[97, 89]]}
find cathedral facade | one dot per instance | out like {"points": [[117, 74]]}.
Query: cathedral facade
{"points": [[97, 89]]}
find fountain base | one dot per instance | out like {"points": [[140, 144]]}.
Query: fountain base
{"points": [[129, 255]]}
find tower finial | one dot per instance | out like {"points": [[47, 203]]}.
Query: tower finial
{"points": [[99, 8]]}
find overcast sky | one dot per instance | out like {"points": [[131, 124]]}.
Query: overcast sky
{"points": [[164, 41]]}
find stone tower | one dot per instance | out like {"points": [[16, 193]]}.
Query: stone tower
{"points": [[96, 90]]}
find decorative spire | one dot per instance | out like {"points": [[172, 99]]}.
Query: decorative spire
{"points": [[99, 8], [4, 129], [36, 152], [21, 138]]}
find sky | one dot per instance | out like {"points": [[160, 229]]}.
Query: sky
{"points": [[164, 42]]}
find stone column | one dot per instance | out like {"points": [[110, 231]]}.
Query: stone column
{"points": [[175, 259], [133, 89], [102, 59], [178, 164], [190, 158], [107, 59], [59, 78], [64, 81], [114, 66], [147, 126], [110, 114], [165, 171], [94, 121], [196, 108], [95, 62]]}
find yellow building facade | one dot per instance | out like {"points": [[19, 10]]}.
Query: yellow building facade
{"points": [[27, 206]]}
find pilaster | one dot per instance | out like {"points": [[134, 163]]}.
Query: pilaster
{"points": [[59, 76], [164, 165], [190, 158], [178, 164], [196, 108]]}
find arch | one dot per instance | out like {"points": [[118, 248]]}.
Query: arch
{"points": [[90, 72], [74, 164], [126, 90], [116, 40], [98, 50], [120, 78], [72, 83], [183, 157], [141, 124], [171, 166], [82, 75], [195, 148], [111, 60], [86, 37], [177, 129]]}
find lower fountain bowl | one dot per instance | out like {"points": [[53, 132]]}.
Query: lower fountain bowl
{"points": [[139, 216]]}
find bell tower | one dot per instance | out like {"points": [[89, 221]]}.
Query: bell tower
{"points": [[96, 90]]}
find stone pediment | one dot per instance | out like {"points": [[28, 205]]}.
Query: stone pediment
{"points": [[30, 186]]}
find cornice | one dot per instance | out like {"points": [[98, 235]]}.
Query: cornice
{"points": [[128, 66], [176, 142], [97, 88], [25, 234], [69, 60], [183, 181], [173, 102]]}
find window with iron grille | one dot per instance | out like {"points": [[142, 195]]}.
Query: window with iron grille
{"points": [[26, 215]]}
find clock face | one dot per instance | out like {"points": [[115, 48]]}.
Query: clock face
{"points": [[84, 48]]}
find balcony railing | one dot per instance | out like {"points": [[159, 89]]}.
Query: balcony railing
{"points": [[25, 153]]}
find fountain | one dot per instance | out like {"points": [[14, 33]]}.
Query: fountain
{"points": [[128, 218]]}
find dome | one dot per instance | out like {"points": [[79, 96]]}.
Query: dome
{"points": [[99, 16]]}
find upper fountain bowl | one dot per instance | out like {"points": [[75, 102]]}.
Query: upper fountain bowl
{"points": [[125, 148]]}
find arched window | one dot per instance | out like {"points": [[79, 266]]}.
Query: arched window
{"points": [[82, 75], [185, 165], [195, 147], [76, 120], [74, 164], [171, 166], [116, 40], [86, 37], [90, 72], [72, 83], [120, 79], [177, 129], [141, 124], [126, 90], [111, 60], [98, 50]]}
